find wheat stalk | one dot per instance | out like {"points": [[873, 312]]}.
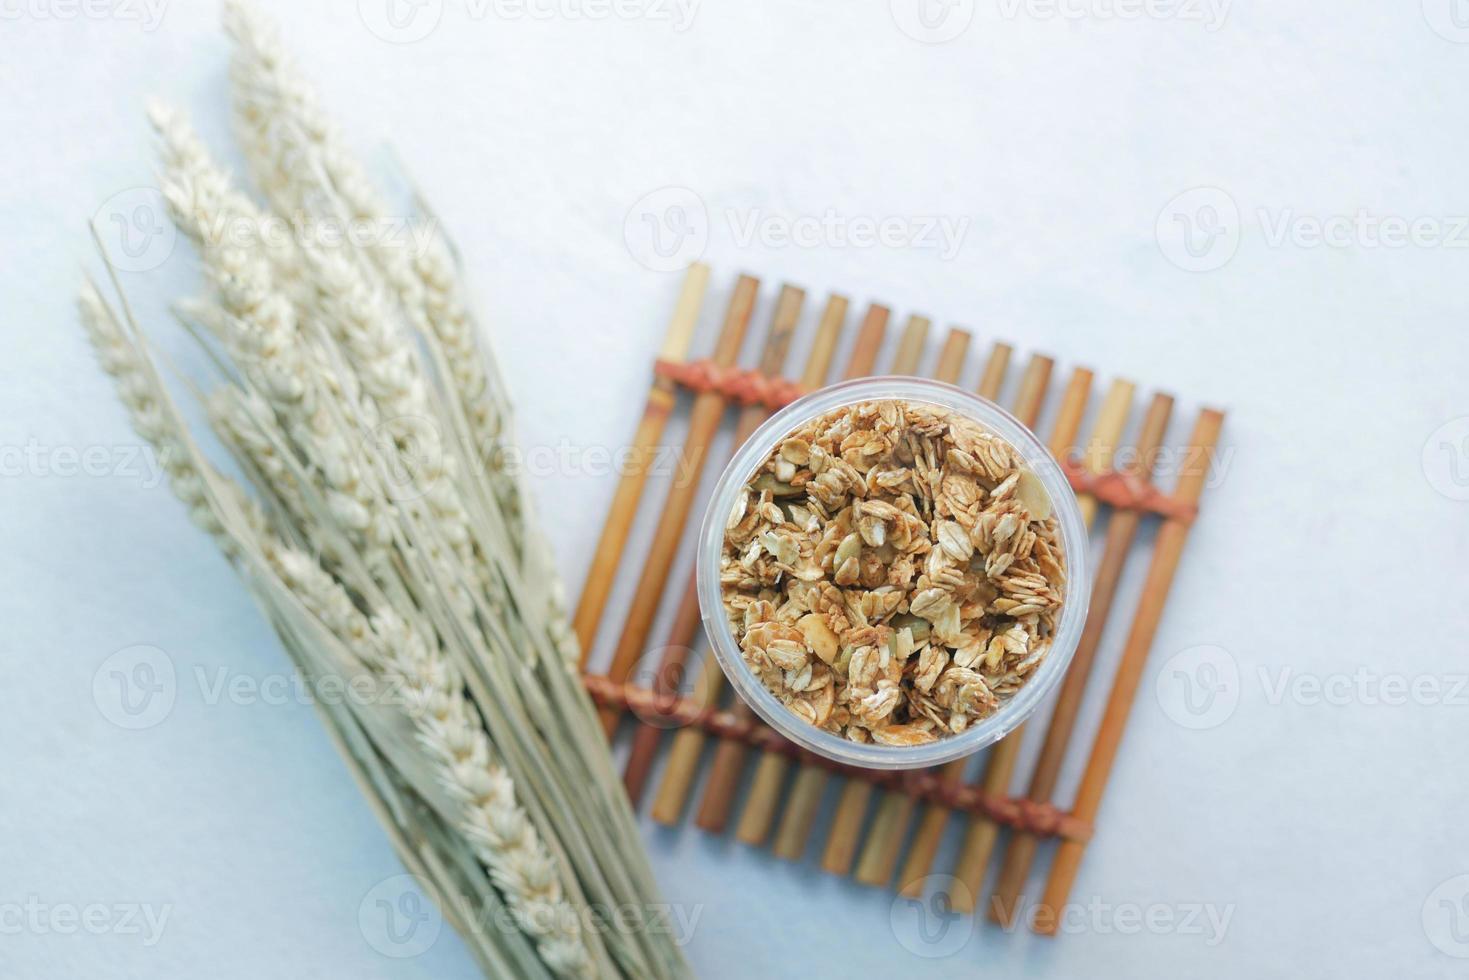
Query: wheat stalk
{"points": [[378, 550], [494, 823], [453, 734], [300, 163], [449, 728], [137, 389]]}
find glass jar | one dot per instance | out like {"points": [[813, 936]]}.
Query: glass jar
{"points": [[1012, 711]]}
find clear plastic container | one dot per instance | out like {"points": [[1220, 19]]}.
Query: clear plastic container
{"points": [[1010, 713]]}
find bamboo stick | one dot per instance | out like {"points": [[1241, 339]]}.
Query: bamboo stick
{"points": [[704, 420], [661, 397], [687, 620], [846, 829], [800, 813], [824, 345], [951, 357], [1097, 455], [688, 744], [885, 839], [869, 342], [1121, 529], [1167, 549], [729, 758], [764, 796], [880, 856], [995, 367], [1107, 431], [910, 344]]}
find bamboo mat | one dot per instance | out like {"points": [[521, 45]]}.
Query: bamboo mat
{"points": [[721, 766]]}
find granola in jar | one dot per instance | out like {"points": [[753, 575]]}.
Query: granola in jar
{"points": [[892, 572]]}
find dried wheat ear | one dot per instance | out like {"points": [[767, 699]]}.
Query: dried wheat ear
{"points": [[893, 572]]}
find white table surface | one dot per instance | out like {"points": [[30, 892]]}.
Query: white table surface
{"points": [[1313, 803]]}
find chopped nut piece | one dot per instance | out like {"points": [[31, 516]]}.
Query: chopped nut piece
{"points": [[1033, 496], [902, 735], [851, 547], [819, 637]]}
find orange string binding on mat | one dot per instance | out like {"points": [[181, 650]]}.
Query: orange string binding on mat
{"points": [[1126, 491], [1041, 819], [748, 387]]}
